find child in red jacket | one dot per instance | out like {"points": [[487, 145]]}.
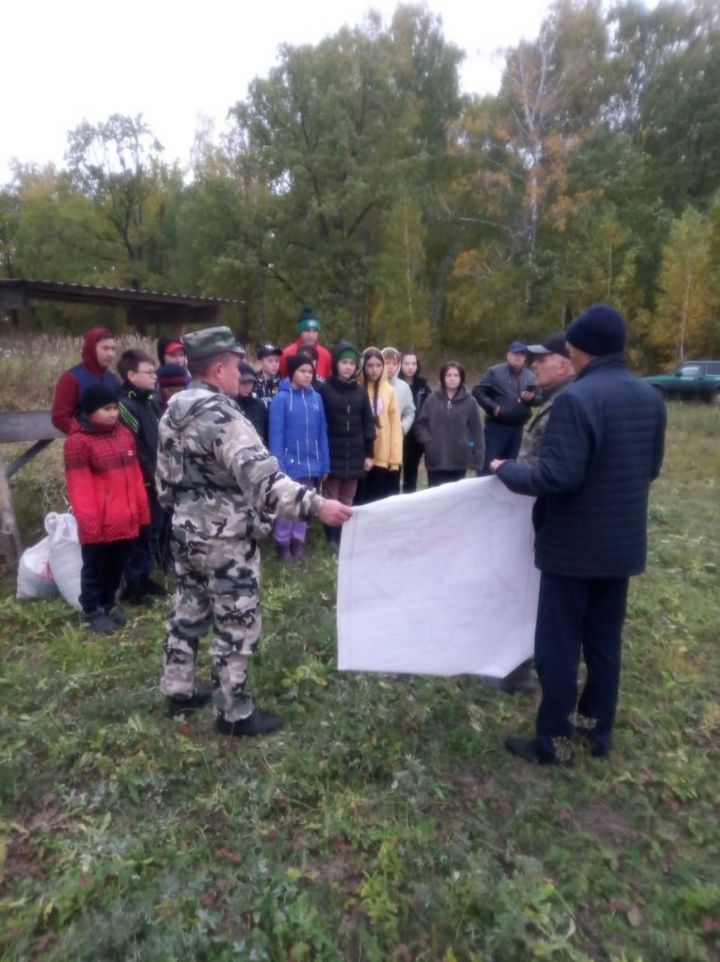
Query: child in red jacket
{"points": [[107, 494]]}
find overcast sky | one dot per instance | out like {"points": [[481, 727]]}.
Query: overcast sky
{"points": [[177, 62]]}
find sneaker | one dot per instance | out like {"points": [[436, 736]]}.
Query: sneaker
{"points": [[184, 704], [99, 623], [258, 723], [115, 613], [153, 589], [529, 751]]}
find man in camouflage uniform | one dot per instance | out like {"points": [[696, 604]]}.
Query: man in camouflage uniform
{"points": [[225, 491], [553, 372]]}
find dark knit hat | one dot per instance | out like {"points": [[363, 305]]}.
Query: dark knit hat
{"points": [[172, 375], [97, 396], [599, 330], [307, 321], [295, 361]]}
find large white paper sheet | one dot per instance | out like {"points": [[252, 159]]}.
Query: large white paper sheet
{"points": [[441, 582]]}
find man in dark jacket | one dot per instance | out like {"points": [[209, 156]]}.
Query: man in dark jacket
{"points": [[602, 448], [350, 427], [249, 403], [505, 393], [98, 353], [140, 412]]}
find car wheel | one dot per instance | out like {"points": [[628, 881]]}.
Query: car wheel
{"points": [[715, 397]]}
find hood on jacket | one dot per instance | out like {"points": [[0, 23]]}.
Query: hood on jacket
{"points": [[340, 348], [89, 349], [361, 374]]}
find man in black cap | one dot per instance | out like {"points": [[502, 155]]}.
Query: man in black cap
{"points": [[602, 448], [553, 372], [505, 393]]}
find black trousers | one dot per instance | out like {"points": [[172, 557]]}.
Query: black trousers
{"points": [[412, 455], [377, 484], [436, 478], [151, 547], [102, 569], [501, 441], [578, 616]]}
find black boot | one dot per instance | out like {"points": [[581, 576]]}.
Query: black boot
{"points": [[258, 723], [184, 704], [153, 589], [115, 613], [522, 679], [530, 752], [99, 623]]}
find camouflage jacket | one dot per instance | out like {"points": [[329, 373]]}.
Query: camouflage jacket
{"points": [[535, 428], [216, 474]]}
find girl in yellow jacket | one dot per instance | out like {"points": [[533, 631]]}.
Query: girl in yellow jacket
{"points": [[388, 449]]}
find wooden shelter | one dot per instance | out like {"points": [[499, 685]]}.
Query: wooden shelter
{"points": [[142, 308]]}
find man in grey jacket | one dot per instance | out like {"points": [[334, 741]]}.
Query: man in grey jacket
{"points": [[505, 393], [406, 404]]}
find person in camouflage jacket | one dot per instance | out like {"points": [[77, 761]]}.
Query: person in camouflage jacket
{"points": [[553, 372], [225, 490]]}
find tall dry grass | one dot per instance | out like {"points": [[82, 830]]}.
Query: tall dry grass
{"points": [[30, 365]]}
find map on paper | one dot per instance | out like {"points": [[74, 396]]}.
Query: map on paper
{"points": [[441, 582]]}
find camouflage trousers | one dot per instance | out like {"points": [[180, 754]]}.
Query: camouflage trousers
{"points": [[218, 587]]}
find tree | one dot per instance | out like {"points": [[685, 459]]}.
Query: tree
{"points": [[688, 300], [118, 165]]}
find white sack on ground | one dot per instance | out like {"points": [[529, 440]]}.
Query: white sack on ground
{"points": [[34, 578], [65, 555], [441, 582]]}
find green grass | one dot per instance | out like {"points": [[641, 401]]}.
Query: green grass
{"points": [[385, 822]]}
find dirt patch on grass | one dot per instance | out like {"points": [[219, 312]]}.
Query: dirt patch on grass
{"points": [[604, 823], [23, 859], [341, 868]]}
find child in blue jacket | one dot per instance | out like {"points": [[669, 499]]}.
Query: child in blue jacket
{"points": [[298, 439]]}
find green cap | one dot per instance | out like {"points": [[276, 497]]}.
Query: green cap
{"points": [[210, 341]]}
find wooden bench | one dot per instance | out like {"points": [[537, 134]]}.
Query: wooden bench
{"points": [[19, 427]]}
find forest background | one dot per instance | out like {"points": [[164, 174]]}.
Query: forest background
{"points": [[358, 179]]}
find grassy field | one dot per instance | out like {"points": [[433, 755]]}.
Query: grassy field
{"points": [[385, 823]]}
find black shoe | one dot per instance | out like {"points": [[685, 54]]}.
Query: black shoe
{"points": [[530, 752], [153, 589], [179, 705], [522, 680], [136, 596], [258, 723], [99, 623], [597, 749], [116, 614]]}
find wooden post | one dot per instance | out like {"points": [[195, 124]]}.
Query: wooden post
{"points": [[10, 544]]}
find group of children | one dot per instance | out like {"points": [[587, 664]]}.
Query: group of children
{"points": [[349, 434]]}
